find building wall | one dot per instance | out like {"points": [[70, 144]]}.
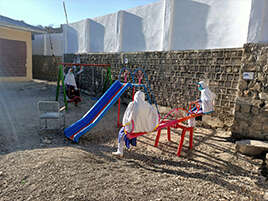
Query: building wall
{"points": [[251, 112], [12, 34]]}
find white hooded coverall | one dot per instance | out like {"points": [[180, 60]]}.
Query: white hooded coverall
{"points": [[206, 102], [143, 114], [70, 79]]}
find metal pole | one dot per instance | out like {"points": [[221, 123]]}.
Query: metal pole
{"points": [[118, 114], [65, 12]]}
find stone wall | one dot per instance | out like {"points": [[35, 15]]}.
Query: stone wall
{"points": [[44, 67], [251, 112], [173, 74]]}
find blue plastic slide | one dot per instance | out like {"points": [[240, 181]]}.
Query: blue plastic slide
{"points": [[90, 119]]}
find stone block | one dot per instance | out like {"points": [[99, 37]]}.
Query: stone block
{"points": [[235, 128], [235, 85], [264, 113], [252, 58], [228, 84], [265, 68], [256, 103], [265, 136], [236, 69], [256, 126], [237, 107], [263, 96], [228, 61], [214, 122], [251, 147], [230, 77], [255, 110], [243, 85], [250, 68], [242, 116], [239, 126], [265, 127], [266, 193], [257, 87], [254, 134], [245, 108]]}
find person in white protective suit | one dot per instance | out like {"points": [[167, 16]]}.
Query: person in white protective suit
{"points": [[143, 115], [206, 102], [70, 83], [70, 79]]}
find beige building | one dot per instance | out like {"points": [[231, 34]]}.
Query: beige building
{"points": [[16, 49]]}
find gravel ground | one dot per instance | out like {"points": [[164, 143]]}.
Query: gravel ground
{"points": [[47, 166]]}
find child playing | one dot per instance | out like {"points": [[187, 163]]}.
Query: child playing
{"points": [[139, 116], [72, 91]]}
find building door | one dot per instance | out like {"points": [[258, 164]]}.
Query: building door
{"points": [[12, 58]]}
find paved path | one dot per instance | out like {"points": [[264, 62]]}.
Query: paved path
{"points": [[18, 114]]}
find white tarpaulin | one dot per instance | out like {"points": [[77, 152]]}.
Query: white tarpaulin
{"points": [[108, 33], [38, 44], [56, 41], [76, 37], [141, 28], [42, 44], [98, 35], [258, 24], [208, 24], [165, 25]]}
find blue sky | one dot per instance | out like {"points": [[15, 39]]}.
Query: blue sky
{"points": [[47, 12]]}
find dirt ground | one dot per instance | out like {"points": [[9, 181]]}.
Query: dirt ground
{"points": [[46, 166]]}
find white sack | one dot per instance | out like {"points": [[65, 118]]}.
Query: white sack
{"points": [[143, 114]]}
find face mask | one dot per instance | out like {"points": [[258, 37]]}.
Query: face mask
{"points": [[200, 87]]}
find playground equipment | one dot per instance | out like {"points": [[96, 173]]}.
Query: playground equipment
{"points": [[90, 119], [176, 118], [107, 81], [96, 113]]}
